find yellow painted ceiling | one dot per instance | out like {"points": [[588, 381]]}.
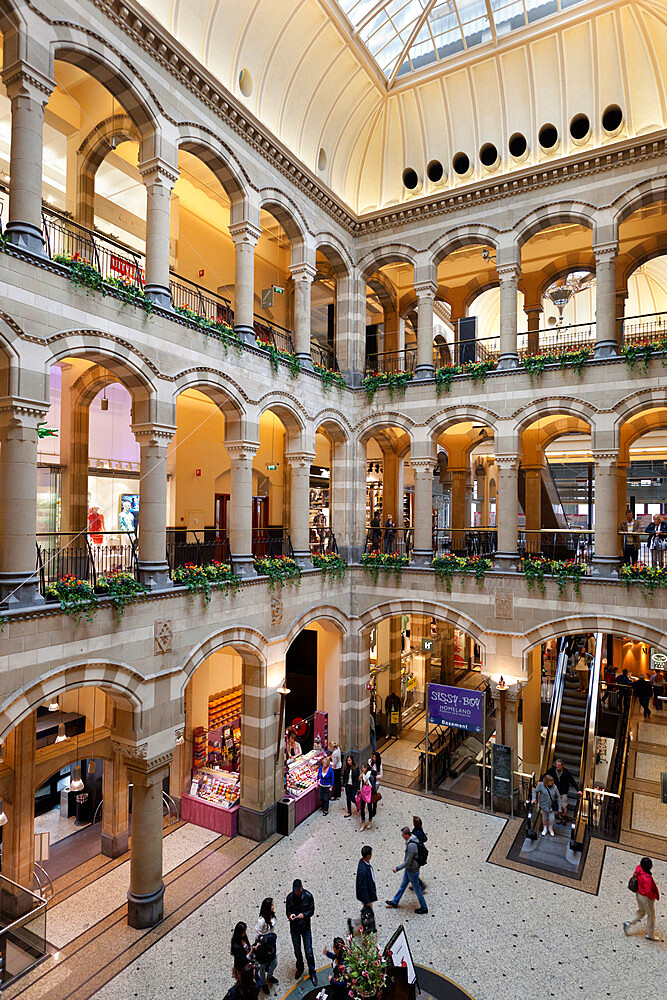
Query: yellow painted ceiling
{"points": [[297, 67]]}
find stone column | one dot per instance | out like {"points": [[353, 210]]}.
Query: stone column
{"points": [[621, 495], [18, 834], [351, 327], [605, 560], [28, 90], [425, 299], [19, 583], [458, 507], [299, 507], [260, 784], [506, 704], [241, 455], [423, 517], [153, 440], [508, 275], [606, 337], [533, 507], [145, 897], [159, 178], [115, 811], [534, 317], [245, 236], [342, 490], [508, 510], [303, 275], [354, 713]]}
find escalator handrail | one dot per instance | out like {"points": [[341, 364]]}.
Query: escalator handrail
{"points": [[587, 766], [554, 719]]}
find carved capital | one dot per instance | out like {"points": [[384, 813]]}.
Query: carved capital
{"points": [[25, 81], [303, 272], [244, 233], [425, 289], [605, 457], [423, 466], [508, 272], [241, 451], [300, 461], [508, 463], [153, 434], [605, 253], [26, 413], [157, 171]]}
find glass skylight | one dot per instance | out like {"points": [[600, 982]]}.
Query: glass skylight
{"points": [[404, 35]]}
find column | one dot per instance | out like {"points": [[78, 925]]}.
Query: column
{"points": [[153, 567], [302, 275], [28, 91], [458, 495], [425, 299], [506, 702], [145, 897], [533, 507], [19, 583], [159, 178], [605, 560], [354, 711], [423, 517], [341, 492], [241, 455], [606, 337], [534, 318], [115, 811], [261, 759], [508, 510], [469, 494], [508, 275], [391, 502], [621, 494], [532, 709], [351, 327], [245, 236], [395, 642], [300, 507], [390, 323], [482, 495], [18, 833]]}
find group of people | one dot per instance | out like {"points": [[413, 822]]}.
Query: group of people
{"points": [[551, 795], [361, 784], [656, 533], [383, 538]]}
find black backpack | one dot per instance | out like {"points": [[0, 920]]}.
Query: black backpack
{"points": [[422, 854], [265, 951]]}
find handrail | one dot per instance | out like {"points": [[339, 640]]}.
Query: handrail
{"points": [[37, 869], [97, 810], [587, 767], [168, 801]]}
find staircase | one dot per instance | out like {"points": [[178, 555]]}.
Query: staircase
{"points": [[570, 735]]}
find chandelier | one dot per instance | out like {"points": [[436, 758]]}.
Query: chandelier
{"points": [[562, 290]]}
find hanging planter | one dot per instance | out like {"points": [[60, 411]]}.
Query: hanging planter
{"points": [[476, 370], [204, 579], [122, 588], [331, 565], [330, 377], [575, 359], [379, 562], [446, 566], [393, 381], [649, 578], [76, 597], [564, 571], [279, 569]]}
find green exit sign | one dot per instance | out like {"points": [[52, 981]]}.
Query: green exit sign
{"points": [[272, 468]]}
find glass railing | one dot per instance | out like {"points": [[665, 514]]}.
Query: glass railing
{"points": [[22, 930]]}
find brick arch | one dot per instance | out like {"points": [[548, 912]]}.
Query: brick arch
{"points": [[211, 151], [562, 213], [647, 193], [389, 609], [220, 391], [394, 253], [119, 680], [640, 631], [463, 236]]}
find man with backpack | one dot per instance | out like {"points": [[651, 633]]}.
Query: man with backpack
{"points": [[410, 869], [422, 850]]}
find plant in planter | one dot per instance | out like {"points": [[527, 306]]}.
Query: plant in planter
{"points": [[81, 272], [476, 370], [276, 354], [384, 562], [575, 359], [635, 354], [446, 566], [202, 579], [131, 294], [331, 565], [329, 377], [225, 333], [365, 966], [649, 578], [279, 569], [76, 597], [393, 381], [122, 588], [565, 571]]}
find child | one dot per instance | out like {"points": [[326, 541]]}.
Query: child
{"points": [[337, 958]]}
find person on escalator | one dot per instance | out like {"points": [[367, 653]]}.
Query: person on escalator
{"points": [[581, 670], [644, 689], [564, 780], [547, 796]]}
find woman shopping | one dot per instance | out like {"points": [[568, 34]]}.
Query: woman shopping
{"points": [[325, 781], [365, 797], [265, 948], [350, 783]]}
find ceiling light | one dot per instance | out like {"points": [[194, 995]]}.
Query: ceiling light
{"points": [[54, 706], [76, 784], [62, 736]]}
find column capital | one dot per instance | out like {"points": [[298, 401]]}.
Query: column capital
{"points": [[157, 170], [245, 233], [609, 455], [529, 309], [156, 434], [23, 80], [508, 272], [605, 253], [303, 271], [241, 451], [426, 289], [510, 462], [26, 413], [300, 460], [135, 757], [423, 466]]}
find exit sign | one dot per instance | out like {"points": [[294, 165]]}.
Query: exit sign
{"points": [[272, 468]]}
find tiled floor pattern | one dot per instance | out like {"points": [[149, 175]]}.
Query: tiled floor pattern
{"points": [[501, 934], [56, 825]]}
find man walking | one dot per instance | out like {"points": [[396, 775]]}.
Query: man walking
{"points": [[410, 869], [366, 888], [300, 907]]}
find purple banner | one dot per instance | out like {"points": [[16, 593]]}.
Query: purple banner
{"points": [[460, 708]]}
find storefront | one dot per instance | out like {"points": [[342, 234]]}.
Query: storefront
{"points": [[301, 771]]}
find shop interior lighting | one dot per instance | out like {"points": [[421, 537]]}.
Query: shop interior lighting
{"points": [[76, 784], [61, 737], [54, 705]]}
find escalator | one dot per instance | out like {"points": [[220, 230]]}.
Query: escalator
{"points": [[552, 510]]}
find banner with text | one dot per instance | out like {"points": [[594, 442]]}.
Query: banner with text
{"points": [[457, 707]]}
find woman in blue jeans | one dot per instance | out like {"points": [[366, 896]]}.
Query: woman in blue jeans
{"points": [[325, 782], [265, 945]]}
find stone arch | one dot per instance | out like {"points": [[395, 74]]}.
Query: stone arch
{"points": [[327, 613], [583, 260], [388, 609], [286, 213], [395, 253], [336, 254], [634, 403], [119, 680], [640, 631], [447, 417], [292, 416], [211, 151], [333, 425], [375, 423], [91, 153], [475, 288], [248, 642], [119, 358], [10, 361], [640, 254], [635, 427], [562, 213], [647, 193], [553, 406], [463, 236], [221, 392]]}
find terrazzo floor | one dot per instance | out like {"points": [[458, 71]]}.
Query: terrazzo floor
{"points": [[57, 826], [500, 934]]}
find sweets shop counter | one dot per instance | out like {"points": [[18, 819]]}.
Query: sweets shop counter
{"points": [[213, 800], [301, 783]]}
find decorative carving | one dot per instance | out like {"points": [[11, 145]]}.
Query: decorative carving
{"points": [[276, 609], [504, 604], [163, 636]]}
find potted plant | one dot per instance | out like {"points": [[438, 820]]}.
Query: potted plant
{"points": [[365, 966]]}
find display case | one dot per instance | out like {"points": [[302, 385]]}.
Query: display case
{"points": [[301, 783], [213, 800]]}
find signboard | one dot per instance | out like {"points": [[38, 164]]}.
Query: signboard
{"points": [[399, 950], [427, 645], [663, 787], [267, 298], [460, 708], [501, 763]]}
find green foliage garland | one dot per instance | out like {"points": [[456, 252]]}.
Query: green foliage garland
{"points": [[276, 354], [635, 354], [565, 571], [476, 370], [393, 381], [279, 569], [649, 578], [202, 579], [76, 597], [389, 562], [446, 566], [225, 333], [575, 359], [329, 377], [122, 588]]}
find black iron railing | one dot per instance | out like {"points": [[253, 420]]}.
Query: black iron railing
{"points": [[268, 332], [322, 541], [641, 329], [323, 356], [558, 543], [268, 543], [461, 352], [392, 362], [197, 547], [389, 540], [464, 541], [85, 555]]}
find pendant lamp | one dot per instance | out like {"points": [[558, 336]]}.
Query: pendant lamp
{"points": [[61, 737]]}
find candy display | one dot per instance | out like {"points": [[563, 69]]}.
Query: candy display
{"points": [[224, 708], [220, 787], [302, 773], [199, 747]]}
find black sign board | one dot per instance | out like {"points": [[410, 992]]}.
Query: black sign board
{"points": [[664, 787], [502, 771]]}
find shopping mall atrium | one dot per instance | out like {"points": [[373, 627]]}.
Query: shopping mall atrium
{"points": [[333, 421]]}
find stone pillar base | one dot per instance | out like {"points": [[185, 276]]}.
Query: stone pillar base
{"points": [[605, 566], [606, 349], [355, 553], [246, 334], [506, 362], [353, 378], [506, 560], [145, 911], [25, 236], [155, 576], [306, 362], [303, 560], [423, 373], [160, 295], [257, 825], [113, 846], [244, 566], [19, 591], [422, 558]]}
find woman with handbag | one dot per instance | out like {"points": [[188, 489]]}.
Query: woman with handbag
{"points": [[547, 796], [646, 893], [350, 784], [365, 797], [265, 950], [657, 540]]}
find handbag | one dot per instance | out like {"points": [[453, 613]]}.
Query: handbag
{"points": [[375, 797], [366, 793], [633, 883], [357, 800]]}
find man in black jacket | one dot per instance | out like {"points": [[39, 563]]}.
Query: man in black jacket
{"points": [[300, 907], [564, 780], [366, 890]]}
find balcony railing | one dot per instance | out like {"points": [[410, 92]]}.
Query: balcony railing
{"points": [[462, 352], [389, 540], [557, 543], [392, 362], [85, 555], [197, 547], [271, 542], [268, 332], [322, 542], [323, 356], [557, 339], [471, 541], [638, 329], [22, 930]]}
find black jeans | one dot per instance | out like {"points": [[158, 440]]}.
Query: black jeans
{"points": [[372, 809], [298, 934], [325, 795], [350, 796]]}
